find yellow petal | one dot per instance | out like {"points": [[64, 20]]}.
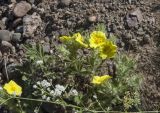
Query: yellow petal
{"points": [[13, 88], [65, 38], [107, 50], [97, 38], [100, 79], [78, 37]]}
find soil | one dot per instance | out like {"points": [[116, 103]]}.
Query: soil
{"points": [[136, 23]]}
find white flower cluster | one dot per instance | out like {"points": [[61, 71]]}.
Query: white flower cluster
{"points": [[44, 84], [39, 62], [58, 90], [73, 92]]}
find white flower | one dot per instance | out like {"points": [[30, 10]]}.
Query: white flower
{"points": [[48, 99], [95, 96], [57, 92], [38, 83], [38, 62], [44, 97], [34, 86], [73, 92], [52, 92], [45, 84], [60, 87], [1, 88]]}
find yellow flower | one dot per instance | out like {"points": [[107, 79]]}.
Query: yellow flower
{"points": [[107, 50], [97, 38], [12, 88], [78, 37], [100, 79], [65, 38]]}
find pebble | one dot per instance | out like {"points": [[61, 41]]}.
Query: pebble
{"points": [[134, 44], [46, 48], [16, 37], [21, 9], [19, 29], [17, 22], [138, 14], [92, 19], [30, 24], [5, 35], [146, 39], [7, 47], [140, 32], [65, 2], [2, 25], [4, 20]]}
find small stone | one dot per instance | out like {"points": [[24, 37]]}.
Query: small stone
{"points": [[5, 35], [140, 32], [131, 21], [17, 22], [11, 60], [146, 39], [46, 48], [31, 1], [2, 25], [138, 14], [7, 47], [92, 19], [13, 1], [46, 39], [134, 44], [21, 9], [16, 37], [30, 24], [4, 20], [65, 2], [19, 29], [134, 18]]}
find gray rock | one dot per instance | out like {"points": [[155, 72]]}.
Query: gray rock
{"points": [[134, 18], [17, 22], [30, 24], [146, 39], [16, 37], [137, 13], [65, 2], [5, 35], [46, 48], [6, 47], [2, 25], [19, 29], [12, 1], [31, 1], [92, 19], [4, 20], [134, 44], [131, 21], [21, 9], [140, 32]]}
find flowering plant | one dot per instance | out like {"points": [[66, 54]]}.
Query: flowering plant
{"points": [[79, 76]]}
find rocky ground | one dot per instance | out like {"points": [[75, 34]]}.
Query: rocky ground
{"points": [[136, 23]]}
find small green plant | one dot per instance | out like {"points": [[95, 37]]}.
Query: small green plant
{"points": [[84, 74]]}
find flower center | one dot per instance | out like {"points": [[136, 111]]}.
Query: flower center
{"points": [[98, 40]]}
